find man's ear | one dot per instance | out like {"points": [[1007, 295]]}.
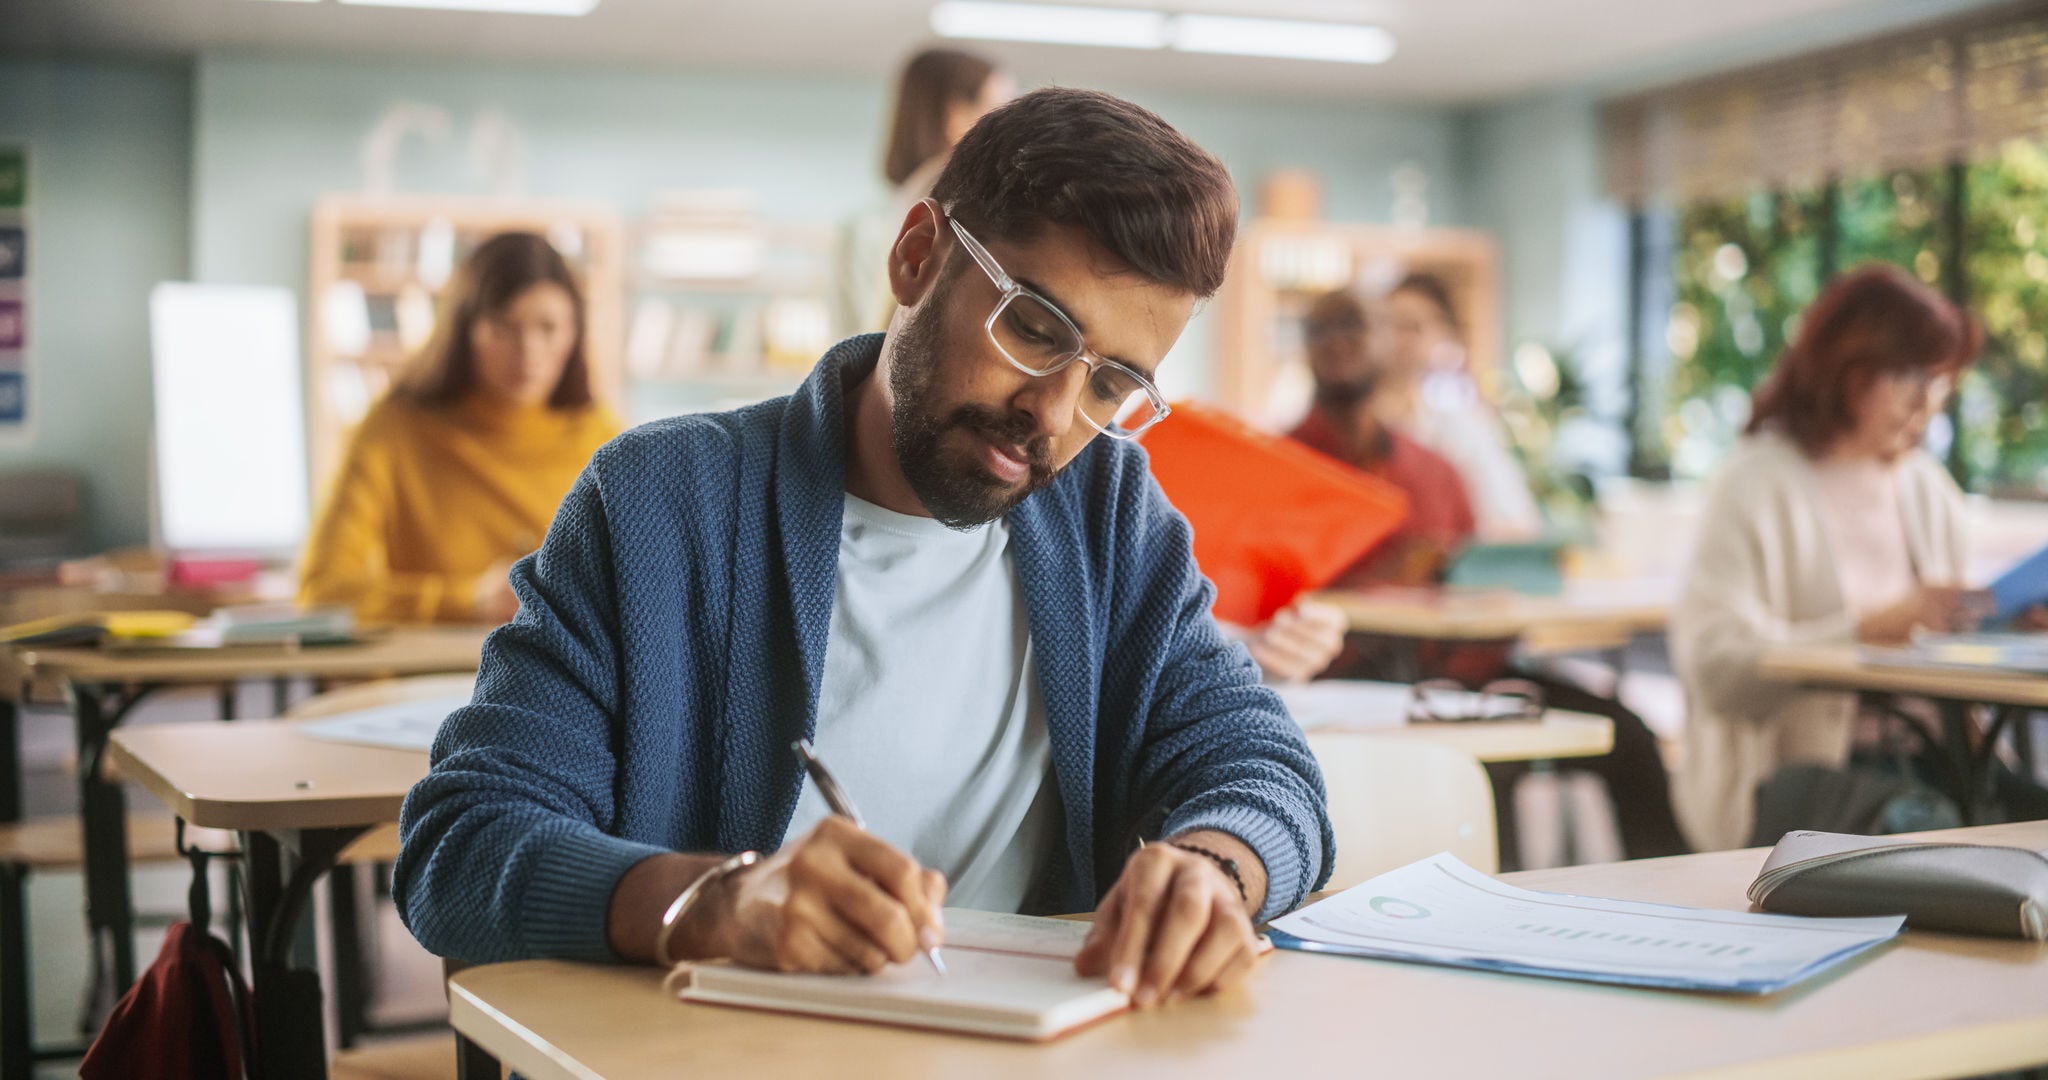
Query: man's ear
{"points": [[917, 256]]}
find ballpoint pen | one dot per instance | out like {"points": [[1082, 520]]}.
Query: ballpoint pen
{"points": [[836, 798]]}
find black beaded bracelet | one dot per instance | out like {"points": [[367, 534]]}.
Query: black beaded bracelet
{"points": [[1227, 865]]}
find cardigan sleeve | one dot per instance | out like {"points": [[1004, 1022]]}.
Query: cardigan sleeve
{"points": [[1732, 609], [1218, 749], [506, 851], [347, 561]]}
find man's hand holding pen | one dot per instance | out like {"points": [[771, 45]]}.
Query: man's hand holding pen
{"points": [[837, 900]]}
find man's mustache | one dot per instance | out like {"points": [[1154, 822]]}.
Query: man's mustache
{"points": [[1009, 431]]}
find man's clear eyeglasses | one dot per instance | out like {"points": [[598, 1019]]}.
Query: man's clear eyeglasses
{"points": [[1037, 338]]}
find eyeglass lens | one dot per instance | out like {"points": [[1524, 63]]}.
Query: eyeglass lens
{"points": [[1040, 341]]}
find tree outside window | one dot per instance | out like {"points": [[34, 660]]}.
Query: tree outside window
{"points": [[1744, 269]]}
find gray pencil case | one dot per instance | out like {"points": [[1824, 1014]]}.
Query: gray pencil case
{"points": [[1966, 888]]}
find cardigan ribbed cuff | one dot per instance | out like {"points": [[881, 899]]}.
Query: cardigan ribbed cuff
{"points": [[569, 896], [1268, 837]]}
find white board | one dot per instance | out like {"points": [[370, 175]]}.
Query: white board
{"points": [[230, 435]]}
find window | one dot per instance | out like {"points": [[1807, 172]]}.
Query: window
{"points": [[2001, 431], [1741, 270]]}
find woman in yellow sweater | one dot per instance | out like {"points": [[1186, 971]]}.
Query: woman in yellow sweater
{"points": [[457, 472]]}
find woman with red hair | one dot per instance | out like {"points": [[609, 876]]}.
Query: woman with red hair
{"points": [[1827, 523]]}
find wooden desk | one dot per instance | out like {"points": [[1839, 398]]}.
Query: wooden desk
{"points": [[1589, 615], [1930, 1005], [1560, 734], [1965, 754], [101, 687], [297, 802], [1836, 667], [1375, 708]]}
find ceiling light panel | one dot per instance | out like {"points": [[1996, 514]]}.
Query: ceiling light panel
{"points": [[493, 7], [1289, 39], [1136, 28], [1051, 24]]}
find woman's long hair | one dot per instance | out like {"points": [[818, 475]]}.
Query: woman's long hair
{"points": [[496, 273], [932, 82]]}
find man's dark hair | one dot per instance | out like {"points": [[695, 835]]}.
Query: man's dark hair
{"points": [[1087, 160]]}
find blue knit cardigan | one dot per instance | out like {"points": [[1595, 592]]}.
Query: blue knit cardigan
{"points": [[669, 645]]}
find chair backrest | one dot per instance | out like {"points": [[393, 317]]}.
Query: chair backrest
{"points": [[371, 695], [1394, 800]]}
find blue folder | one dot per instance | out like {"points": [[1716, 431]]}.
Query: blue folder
{"points": [[2023, 586]]}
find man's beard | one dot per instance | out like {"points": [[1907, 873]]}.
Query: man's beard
{"points": [[954, 487]]}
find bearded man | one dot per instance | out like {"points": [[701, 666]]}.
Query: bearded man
{"points": [[944, 562]]}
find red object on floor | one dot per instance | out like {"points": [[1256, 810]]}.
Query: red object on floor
{"points": [[1272, 518]]}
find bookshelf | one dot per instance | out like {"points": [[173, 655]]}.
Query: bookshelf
{"points": [[728, 308], [379, 264], [1279, 266]]}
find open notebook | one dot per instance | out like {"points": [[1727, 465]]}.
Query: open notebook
{"points": [[1010, 976]]}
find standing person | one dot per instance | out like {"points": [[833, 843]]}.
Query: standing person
{"points": [[1345, 351], [939, 96], [1430, 395], [1826, 523], [940, 93], [458, 470], [987, 618]]}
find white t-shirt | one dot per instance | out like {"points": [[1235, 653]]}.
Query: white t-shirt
{"points": [[1859, 501], [930, 714], [1454, 421]]}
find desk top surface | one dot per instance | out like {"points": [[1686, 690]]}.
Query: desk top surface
{"points": [[1838, 667], [405, 650], [1587, 614], [1928, 1005], [265, 775], [1347, 707]]}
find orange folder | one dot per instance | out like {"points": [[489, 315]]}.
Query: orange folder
{"points": [[1272, 518]]}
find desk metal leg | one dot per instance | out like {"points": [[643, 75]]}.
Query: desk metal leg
{"points": [[103, 806], [351, 974], [2023, 744], [473, 1062], [1955, 731], [291, 1036], [10, 761]]}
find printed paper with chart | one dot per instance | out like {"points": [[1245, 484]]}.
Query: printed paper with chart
{"points": [[1441, 911]]}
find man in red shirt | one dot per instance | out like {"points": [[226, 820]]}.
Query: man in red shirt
{"points": [[1344, 351], [1344, 424]]}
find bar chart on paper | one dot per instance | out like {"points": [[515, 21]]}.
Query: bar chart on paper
{"points": [[1441, 911]]}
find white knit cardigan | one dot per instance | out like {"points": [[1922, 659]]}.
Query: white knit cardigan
{"points": [[1764, 573]]}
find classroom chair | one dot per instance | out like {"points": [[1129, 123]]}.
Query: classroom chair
{"points": [[1394, 800]]}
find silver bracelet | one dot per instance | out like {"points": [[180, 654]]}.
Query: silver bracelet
{"points": [[689, 896]]}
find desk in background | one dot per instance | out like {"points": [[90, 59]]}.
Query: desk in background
{"points": [[1965, 753], [101, 686], [1366, 708], [1929, 1005], [1590, 615]]}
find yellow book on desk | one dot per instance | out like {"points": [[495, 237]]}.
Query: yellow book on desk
{"points": [[92, 628], [1009, 976]]}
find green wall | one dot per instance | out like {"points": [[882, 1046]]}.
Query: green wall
{"points": [[110, 195], [146, 172]]}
